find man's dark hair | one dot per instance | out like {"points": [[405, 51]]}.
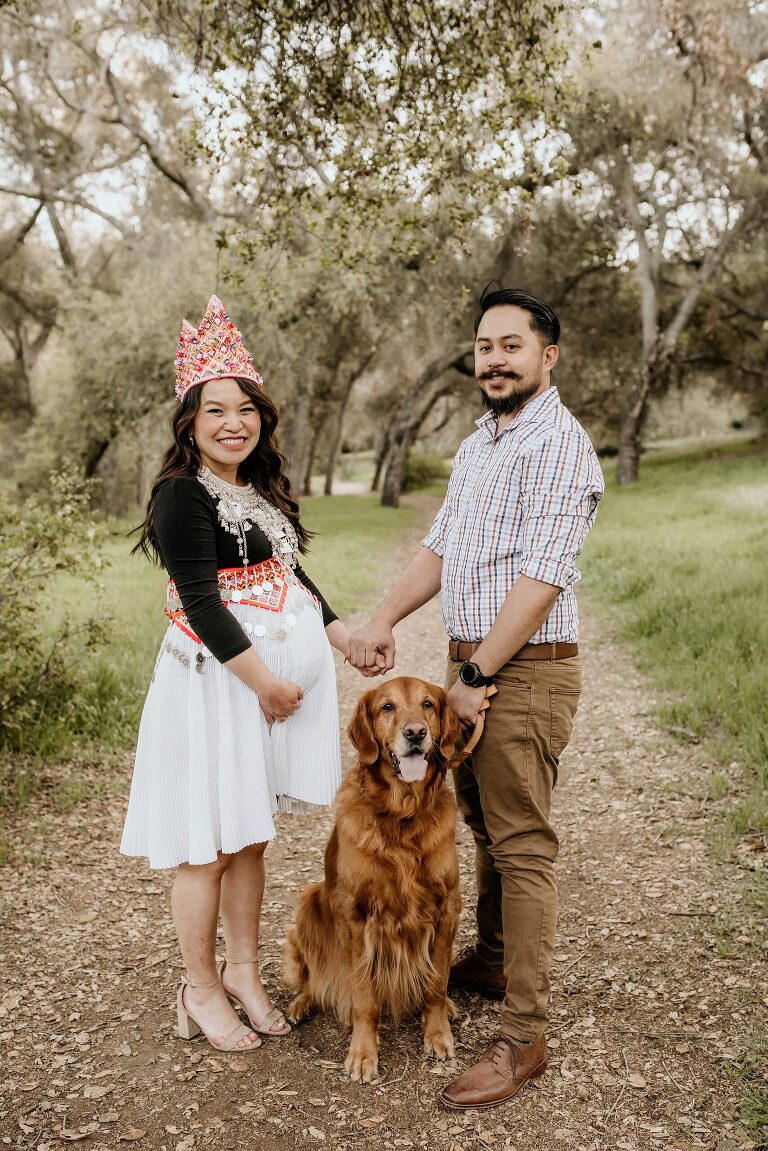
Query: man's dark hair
{"points": [[543, 319]]}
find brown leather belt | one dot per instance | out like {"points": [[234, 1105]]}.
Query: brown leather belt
{"points": [[459, 650]]}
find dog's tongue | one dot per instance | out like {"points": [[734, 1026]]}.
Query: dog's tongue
{"points": [[413, 767]]}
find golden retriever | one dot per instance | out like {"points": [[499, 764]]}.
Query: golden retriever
{"points": [[377, 932]]}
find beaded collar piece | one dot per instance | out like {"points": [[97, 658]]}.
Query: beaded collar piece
{"points": [[240, 508]]}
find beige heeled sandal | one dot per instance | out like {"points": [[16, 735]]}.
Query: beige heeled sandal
{"points": [[189, 1028], [273, 1016]]}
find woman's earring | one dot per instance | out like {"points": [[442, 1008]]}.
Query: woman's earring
{"points": [[191, 439]]}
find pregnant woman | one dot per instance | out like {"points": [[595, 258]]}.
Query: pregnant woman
{"points": [[241, 717]]}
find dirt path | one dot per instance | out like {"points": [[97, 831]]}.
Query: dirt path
{"points": [[652, 997]]}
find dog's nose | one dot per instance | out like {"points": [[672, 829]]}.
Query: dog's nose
{"points": [[414, 732]]}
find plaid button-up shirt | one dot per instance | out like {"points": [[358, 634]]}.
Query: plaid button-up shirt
{"points": [[518, 503]]}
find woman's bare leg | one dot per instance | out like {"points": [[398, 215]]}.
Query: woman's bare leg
{"points": [[195, 899], [242, 891]]}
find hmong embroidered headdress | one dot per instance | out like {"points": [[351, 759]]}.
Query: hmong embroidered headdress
{"points": [[213, 351]]}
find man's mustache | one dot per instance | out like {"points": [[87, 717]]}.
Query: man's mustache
{"points": [[504, 375]]}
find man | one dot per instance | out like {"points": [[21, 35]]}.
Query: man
{"points": [[522, 496]]}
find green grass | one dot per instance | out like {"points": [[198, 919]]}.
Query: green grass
{"points": [[353, 549], [678, 565], [678, 562], [751, 1077]]}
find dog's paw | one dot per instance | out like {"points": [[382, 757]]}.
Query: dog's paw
{"points": [[453, 1011], [361, 1065], [300, 1008], [439, 1044]]}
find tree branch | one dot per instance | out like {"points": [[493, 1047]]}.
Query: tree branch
{"points": [[710, 264], [68, 198], [741, 305], [647, 268], [570, 282], [10, 243], [33, 306], [27, 127], [164, 164]]}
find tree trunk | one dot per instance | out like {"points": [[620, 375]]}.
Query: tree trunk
{"points": [[415, 406], [337, 430], [403, 437], [336, 434], [17, 402], [296, 438], [659, 345], [95, 451], [381, 457], [333, 455], [306, 483], [393, 476], [630, 439], [633, 426]]}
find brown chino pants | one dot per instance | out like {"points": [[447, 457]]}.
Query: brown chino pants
{"points": [[504, 792]]}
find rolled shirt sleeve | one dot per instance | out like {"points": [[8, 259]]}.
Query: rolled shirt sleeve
{"points": [[561, 484], [435, 537]]}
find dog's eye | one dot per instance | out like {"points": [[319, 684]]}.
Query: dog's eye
{"points": [[387, 707], [428, 703]]}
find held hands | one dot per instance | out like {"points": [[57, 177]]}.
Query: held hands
{"points": [[279, 698], [372, 649]]}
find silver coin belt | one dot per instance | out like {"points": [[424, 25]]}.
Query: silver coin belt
{"points": [[265, 585]]}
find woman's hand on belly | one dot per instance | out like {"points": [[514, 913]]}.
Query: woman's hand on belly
{"points": [[278, 698]]}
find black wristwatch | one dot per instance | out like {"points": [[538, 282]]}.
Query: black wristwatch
{"points": [[470, 674]]}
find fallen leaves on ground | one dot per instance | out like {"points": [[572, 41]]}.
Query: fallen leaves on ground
{"points": [[653, 994]]}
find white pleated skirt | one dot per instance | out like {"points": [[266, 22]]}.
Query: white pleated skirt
{"points": [[210, 773]]}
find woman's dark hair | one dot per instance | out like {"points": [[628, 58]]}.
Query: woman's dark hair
{"points": [[543, 319], [264, 467]]}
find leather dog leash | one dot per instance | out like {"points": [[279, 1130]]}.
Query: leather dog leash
{"points": [[479, 722]]}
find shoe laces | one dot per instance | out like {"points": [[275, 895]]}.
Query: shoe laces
{"points": [[502, 1046]]}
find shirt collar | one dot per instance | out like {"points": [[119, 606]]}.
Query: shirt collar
{"points": [[533, 410]]}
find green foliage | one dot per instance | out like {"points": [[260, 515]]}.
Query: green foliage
{"points": [[44, 700], [380, 111], [680, 561], [751, 1076], [423, 469]]}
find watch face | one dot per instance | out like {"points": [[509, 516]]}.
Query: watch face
{"points": [[468, 674]]}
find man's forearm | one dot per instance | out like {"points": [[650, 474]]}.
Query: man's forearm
{"points": [[527, 605], [417, 585]]}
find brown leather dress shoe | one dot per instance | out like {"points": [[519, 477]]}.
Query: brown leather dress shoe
{"points": [[506, 1067], [469, 973]]}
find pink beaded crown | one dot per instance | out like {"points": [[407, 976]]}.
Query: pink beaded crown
{"points": [[212, 351]]}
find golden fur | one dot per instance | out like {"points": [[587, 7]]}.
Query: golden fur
{"points": [[377, 932]]}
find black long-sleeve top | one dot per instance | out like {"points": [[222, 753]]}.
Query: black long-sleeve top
{"points": [[193, 545]]}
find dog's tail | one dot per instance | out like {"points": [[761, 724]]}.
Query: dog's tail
{"points": [[305, 937]]}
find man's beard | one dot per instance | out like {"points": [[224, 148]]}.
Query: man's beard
{"points": [[508, 405]]}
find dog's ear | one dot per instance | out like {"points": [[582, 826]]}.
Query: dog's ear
{"points": [[360, 730], [450, 727]]}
